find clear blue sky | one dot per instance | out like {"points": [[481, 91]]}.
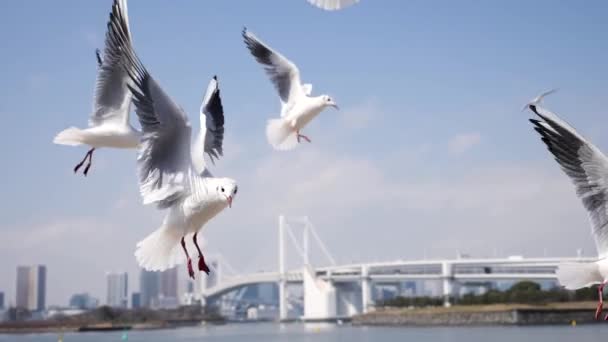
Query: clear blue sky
{"points": [[430, 143]]}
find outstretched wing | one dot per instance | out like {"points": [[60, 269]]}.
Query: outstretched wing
{"points": [[211, 135], [164, 154], [586, 166], [333, 5], [112, 97], [282, 72]]}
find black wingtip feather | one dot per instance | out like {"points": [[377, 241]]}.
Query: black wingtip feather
{"points": [[98, 55]]}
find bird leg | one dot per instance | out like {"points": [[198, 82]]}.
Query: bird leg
{"points": [[86, 169], [88, 156], [190, 270], [303, 137], [600, 304], [202, 265]]}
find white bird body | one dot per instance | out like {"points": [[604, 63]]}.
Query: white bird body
{"points": [[160, 250], [106, 135], [298, 107], [576, 275], [197, 210], [109, 122], [306, 109]]}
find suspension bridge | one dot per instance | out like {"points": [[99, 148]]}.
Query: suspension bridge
{"points": [[335, 291]]}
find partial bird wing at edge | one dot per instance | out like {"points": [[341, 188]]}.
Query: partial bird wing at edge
{"points": [[586, 166], [332, 5]]}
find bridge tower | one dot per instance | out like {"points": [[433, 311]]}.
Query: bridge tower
{"points": [[312, 286]]}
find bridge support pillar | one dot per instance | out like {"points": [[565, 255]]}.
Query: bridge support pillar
{"points": [[366, 290], [283, 300], [282, 276], [447, 277]]}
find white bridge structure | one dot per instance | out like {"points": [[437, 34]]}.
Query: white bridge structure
{"points": [[339, 291]]}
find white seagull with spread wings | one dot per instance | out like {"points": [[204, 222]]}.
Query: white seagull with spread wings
{"points": [[333, 5], [298, 106], [172, 173], [109, 124], [587, 167]]}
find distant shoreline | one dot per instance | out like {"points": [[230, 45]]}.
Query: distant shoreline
{"points": [[571, 313], [42, 327], [485, 315]]}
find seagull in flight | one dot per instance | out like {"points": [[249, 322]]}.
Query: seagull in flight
{"points": [[298, 107], [109, 124], [172, 173], [332, 5], [587, 168]]}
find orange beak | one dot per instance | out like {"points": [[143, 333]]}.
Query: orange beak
{"points": [[229, 199]]}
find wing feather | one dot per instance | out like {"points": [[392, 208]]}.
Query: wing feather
{"points": [[164, 154], [112, 98], [211, 135], [282, 72]]}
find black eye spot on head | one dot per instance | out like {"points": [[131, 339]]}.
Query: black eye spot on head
{"points": [[236, 188], [222, 188]]}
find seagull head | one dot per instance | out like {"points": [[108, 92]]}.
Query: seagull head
{"points": [[226, 189], [328, 102]]}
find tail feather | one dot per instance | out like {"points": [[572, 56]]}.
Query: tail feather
{"points": [[70, 136], [160, 250], [576, 275], [280, 135]]}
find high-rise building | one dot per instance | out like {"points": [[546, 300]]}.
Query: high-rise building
{"points": [[168, 295], [168, 283], [118, 290], [23, 276], [149, 284], [135, 300], [159, 289], [1, 300], [31, 287], [83, 301]]}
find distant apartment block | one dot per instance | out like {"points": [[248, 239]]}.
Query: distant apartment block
{"points": [[83, 301], [159, 289], [117, 290], [31, 287], [136, 300]]}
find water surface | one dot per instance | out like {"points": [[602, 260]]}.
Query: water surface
{"points": [[268, 332]]}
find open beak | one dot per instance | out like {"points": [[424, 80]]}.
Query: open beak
{"points": [[229, 200], [335, 106]]}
